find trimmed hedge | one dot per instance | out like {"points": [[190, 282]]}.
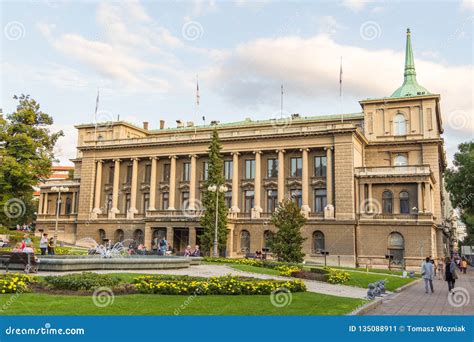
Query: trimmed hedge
{"points": [[225, 285], [81, 281]]}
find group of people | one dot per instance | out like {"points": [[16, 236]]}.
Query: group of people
{"points": [[192, 253], [445, 269], [24, 227], [26, 245]]}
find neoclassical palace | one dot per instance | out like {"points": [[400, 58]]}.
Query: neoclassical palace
{"points": [[369, 183]]}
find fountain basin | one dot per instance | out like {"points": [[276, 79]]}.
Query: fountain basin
{"points": [[69, 263]]}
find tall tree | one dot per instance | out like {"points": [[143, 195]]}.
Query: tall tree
{"points": [[26, 154], [287, 242], [215, 178], [460, 185]]}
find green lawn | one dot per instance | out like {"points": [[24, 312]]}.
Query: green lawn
{"points": [[303, 303], [254, 269]]}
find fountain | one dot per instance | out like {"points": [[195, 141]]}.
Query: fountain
{"points": [[111, 257]]}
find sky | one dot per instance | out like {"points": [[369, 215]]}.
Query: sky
{"points": [[144, 57]]}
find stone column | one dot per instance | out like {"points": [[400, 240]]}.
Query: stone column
{"points": [[147, 239], [369, 199], [427, 197], [45, 205], [115, 189], [420, 198], [172, 193], [73, 202], [134, 189], [192, 236], [257, 209], [98, 189], [329, 176], [153, 184], [235, 183], [362, 201], [281, 175], [169, 235], [305, 182], [192, 184], [40, 203]]}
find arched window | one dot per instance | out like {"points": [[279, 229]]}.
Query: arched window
{"points": [[387, 202], [245, 241], [401, 160], [119, 235], [404, 202], [101, 235], [318, 241], [267, 236], [396, 248], [138, 236], [400, 124]]}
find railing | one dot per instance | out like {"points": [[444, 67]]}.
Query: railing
{"points": [[52, 216], [418, 216], [316, 215], [393, 171], [174, 213]]}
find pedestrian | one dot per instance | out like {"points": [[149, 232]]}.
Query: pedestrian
{"points": [[196, 252], [427, 272], [464, 265], [51, 246], [44, 243], [187, 251], [163, 246], [450, 275], [440, 268]]}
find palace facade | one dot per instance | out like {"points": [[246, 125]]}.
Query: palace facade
{"points": [[369, 183]]}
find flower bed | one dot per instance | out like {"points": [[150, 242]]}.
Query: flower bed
{"points": [[337, 276], [81, 281], [15, 283], [225, 285]]}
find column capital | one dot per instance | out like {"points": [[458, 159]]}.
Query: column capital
{"points": [[280, 150], [193, 156], [173, 157], [257, 152], [99, 161], [328, 148], [306, 149], [135, 158], [154, 158], [116, 160], [235, 153]]}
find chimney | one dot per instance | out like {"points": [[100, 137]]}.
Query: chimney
{"points": [[145, 125], [162, 124]]}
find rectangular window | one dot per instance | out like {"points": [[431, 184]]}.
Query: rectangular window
{"points": [[129, 174], [146, 201], [272, 200], [272, 168], [296, 197], [228, 199], [186, 172], [320, 166], [250, 169], [249, 200], [166, 172], [165, 200], [184, 200], [111, 175], [206, 171], [296, 165], [147, 174], [228, 169], [320, 200], [68, 205], [127, 202]]}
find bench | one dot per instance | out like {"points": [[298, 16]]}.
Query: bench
{"points": [[26, 260]]}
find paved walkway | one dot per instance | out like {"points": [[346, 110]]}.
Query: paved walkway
{"points": [[414, 300], [208, 270]]}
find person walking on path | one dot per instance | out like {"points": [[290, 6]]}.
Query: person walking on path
{"points": [[440, 268], [427, 272], [464, 265], [450, 275], [44, 243], [51, 247]]}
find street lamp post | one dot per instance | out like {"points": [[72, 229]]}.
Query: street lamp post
{"points": [[58, 202], [216, 189]]}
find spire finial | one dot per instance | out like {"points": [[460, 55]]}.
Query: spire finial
{"points": [[410, 72]]}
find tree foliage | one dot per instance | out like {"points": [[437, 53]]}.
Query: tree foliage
{"points": [[287, 243], [215, 177], [26, 156], [460, 184]]}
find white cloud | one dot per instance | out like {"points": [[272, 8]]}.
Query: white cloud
{"points": [[355, 5], [328, 24], [467, 4]]}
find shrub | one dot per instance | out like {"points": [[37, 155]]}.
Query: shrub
{"points": [[15, 283], [81, 281], [250, 262], [337, 276], [287, 271], [225, 285]]}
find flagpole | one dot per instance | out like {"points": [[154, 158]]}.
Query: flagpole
{"points": [[281, 102], [197, 101], [340, 91]]}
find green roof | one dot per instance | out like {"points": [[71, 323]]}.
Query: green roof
{"points": [[410, 86]]}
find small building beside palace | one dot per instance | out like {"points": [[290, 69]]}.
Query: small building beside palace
{"points": [[369, 183]]}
